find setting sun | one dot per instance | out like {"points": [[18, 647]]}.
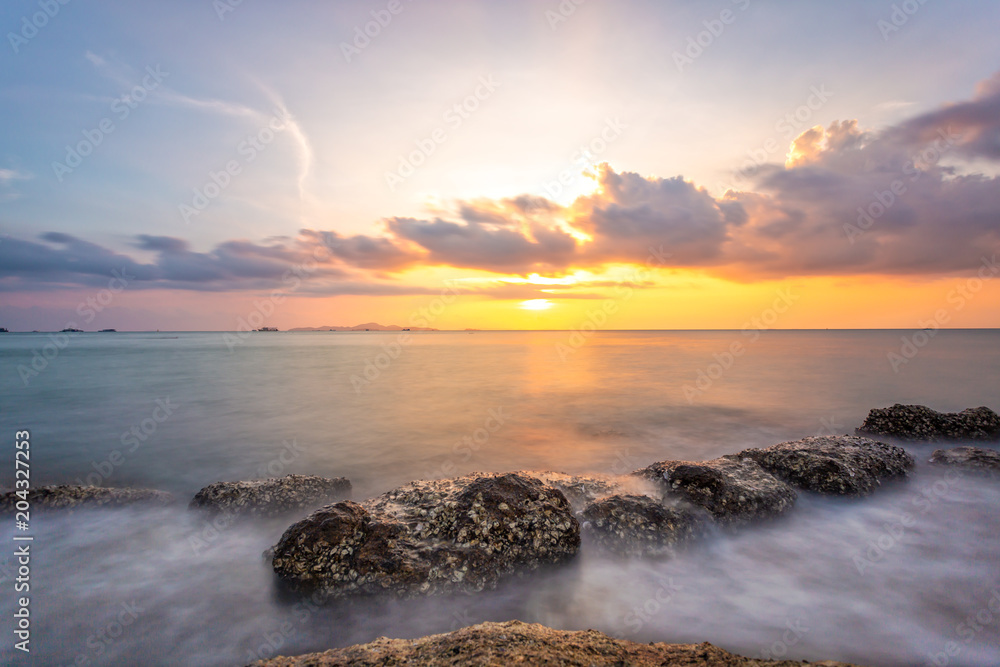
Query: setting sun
{"points": [[536, 304]]}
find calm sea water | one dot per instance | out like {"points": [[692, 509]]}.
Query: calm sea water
{"points": [[835, 579]]}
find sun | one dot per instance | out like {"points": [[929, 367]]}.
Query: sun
{"points": [[537, 304]]}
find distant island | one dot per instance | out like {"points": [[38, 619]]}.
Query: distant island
{"points": [[369, 326]]}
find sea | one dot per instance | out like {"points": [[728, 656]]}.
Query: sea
{"points": [[908, 576]]}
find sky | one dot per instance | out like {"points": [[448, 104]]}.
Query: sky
{"points": [[218, 164]]}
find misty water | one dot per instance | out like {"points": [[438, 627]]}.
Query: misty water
{"points": [[833, 579]]}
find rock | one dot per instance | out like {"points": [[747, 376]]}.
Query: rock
{"points": [[916, 422], [840, 465], [582, 490], [517, 643], [967, 457], [429, 537], [641, 526], [271, 497], [733, 490], [68, 497]]}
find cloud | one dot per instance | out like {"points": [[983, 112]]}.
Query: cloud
{"points": [[903, 201]]}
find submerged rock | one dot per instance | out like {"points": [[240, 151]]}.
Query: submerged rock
{"points": [[967, 457], [733, 490], [517, 643], [429, 537], [270, 497], [67, 497], [641, 526], [840, 465], [917, 422]]}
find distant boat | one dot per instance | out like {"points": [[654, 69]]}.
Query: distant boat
{"points": [[71, 331], [4, 330], [267, 329], [107, 331]]}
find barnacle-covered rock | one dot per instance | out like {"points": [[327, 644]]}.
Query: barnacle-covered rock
{"points": [[732, 489], [582, 490], [917, 422], [839, 465], [517, 643], [69, 497], [641, 526], [429, 537], [270, 497], [967, 457]]}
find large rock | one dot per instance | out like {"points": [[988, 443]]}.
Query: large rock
{"points": [[67, 497], [429, 537], [271, 497], [840, 465], [517, 643], [967, 457], [917, 422], [733, 490], [641, 526]]}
